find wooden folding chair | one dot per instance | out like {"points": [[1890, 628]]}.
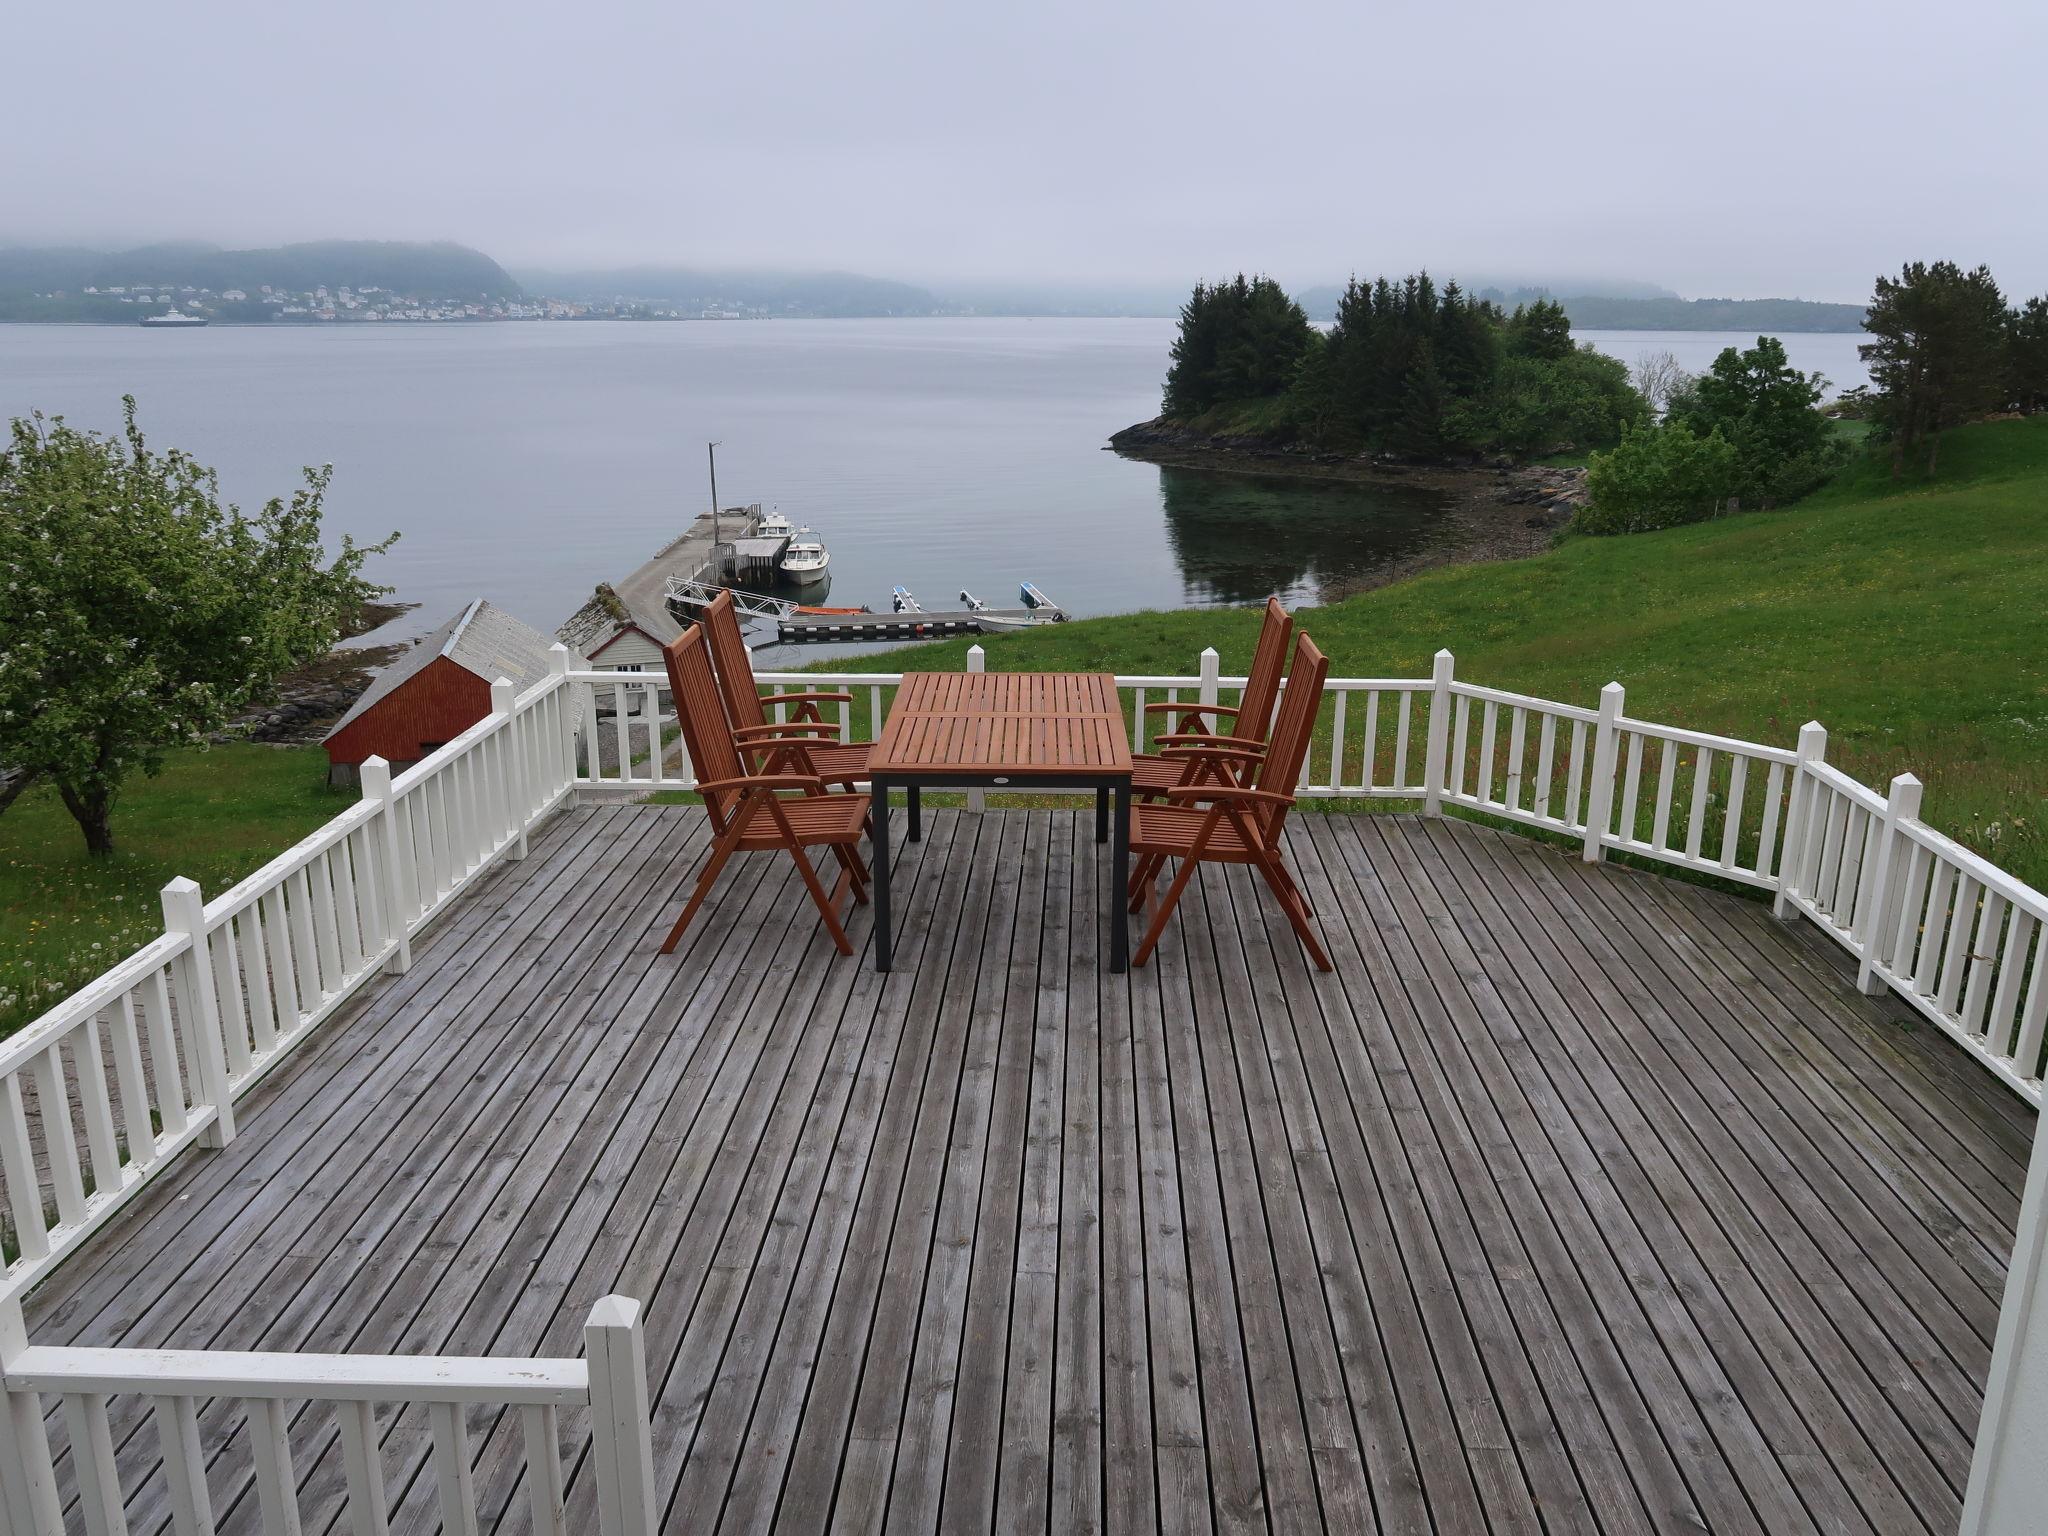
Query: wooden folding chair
{"points": [[809, 743], [748, 812], [1154, 773], [1223, 821]]}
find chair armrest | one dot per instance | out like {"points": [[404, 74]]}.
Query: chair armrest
{"points": [[1206, 754], [1204, 739], [805, 729], [809, 783], [1184, 707], [1196, 793], [806, 698]]}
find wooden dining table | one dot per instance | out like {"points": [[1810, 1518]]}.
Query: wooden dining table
{"points": [[997, 730]]}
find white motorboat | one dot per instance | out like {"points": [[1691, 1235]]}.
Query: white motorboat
{"points": [[772, 525], [805, 560]]}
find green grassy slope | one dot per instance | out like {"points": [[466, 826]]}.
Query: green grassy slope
{"points": [[1910, 619], [213, 816]]}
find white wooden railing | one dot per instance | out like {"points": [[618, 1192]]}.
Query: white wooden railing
{"points": [[280, 1394], [101, 1092], [98, 1094]]}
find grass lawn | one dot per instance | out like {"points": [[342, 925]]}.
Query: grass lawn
{"points": [[1911, 619], [213, 816]]}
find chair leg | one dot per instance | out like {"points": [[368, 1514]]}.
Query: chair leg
{"points": [[706, 878], [1296, 909], [1143, 875], [818, 895], [1294, 886], [1165, 910], [856, 876]]}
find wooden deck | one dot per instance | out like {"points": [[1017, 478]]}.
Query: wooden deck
{"points": [[1576, 1200]]}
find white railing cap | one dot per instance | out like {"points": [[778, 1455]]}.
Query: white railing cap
{"points": [[278, 1374]]}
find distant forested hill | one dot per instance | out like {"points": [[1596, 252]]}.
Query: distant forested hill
{"points": [[1750, 316], [441, 270], [1622, 306], [694, 290]]}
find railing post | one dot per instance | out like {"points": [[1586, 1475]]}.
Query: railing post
{"points": [[622, 1426], [571, 713], [28, 1481], [1212, 669], [1434, 767], [2008, 1475], [199, 1008], [977, 661], [1873, 918], [1600, 788], [1813, 748], [395, 885], [516, 800]]}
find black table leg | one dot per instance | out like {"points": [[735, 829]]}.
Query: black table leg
{"points": [[916, 799], [879, 802], [1102, 814], [1119, 907]]}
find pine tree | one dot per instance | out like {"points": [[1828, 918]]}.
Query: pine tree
{"points": [[1540, 330], [1423, 399], [1938, 355], [2026, 357]]}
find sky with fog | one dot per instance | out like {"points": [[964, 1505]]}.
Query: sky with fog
{"points": [[1742, 149]]}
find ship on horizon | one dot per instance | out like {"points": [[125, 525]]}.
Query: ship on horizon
{"points": [[174, 317]]}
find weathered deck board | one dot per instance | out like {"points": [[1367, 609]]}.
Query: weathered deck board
{"points": [[1573, 1200]]}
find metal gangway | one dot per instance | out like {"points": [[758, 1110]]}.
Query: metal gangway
{"points": [[691, 593]]}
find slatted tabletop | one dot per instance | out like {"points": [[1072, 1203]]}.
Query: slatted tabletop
{"points": [[1023, 723]]}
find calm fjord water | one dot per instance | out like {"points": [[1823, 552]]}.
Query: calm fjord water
{"points": [[528, 462]]}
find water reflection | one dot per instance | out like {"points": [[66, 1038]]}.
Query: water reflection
{"points": [[1240, 538]]}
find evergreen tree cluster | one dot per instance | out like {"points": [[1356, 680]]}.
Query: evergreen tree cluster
{"points": [[1406, 367], [1946, 349], [1241, 340]]}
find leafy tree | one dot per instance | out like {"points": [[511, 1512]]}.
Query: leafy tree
{"points": [[1658, 477], [2026, 387], [1770, 412], [1535, 403], [1660, 378], [1937, 353], [137, 612]]}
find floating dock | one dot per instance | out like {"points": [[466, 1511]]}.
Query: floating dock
{"points": [[841, 628], [796, 624]]}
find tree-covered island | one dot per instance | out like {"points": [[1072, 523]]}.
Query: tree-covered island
{"points": [[1406, 368]]}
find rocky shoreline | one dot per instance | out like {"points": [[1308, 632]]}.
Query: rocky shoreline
{"points": [[309, 699], [1495, 509]]}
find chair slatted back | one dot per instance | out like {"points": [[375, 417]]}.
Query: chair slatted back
{"points": [[1293, 727], [1262, 683], [706, 731], [720, 622]]}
